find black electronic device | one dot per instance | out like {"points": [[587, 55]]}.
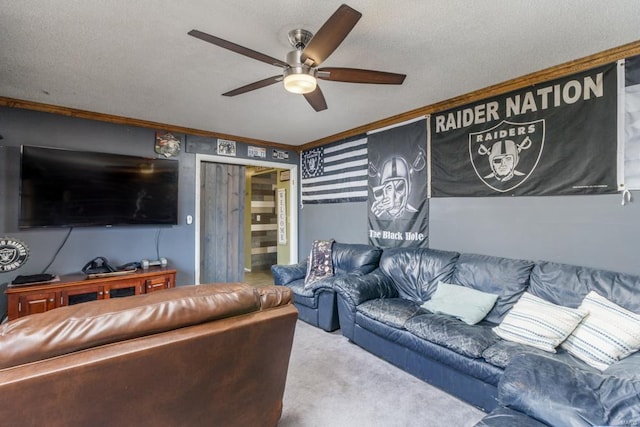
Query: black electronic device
{"points": [[98, 265], [130, 266], [33, 278], [69, 188]]}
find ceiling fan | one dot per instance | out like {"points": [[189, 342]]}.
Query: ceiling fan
{"points": [[301, 69]]}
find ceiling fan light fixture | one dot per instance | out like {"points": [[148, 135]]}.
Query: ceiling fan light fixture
{"points": [[300, 83]]}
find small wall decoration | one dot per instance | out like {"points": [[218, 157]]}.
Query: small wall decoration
{"points": [[282, 216], [13, 254], [285, 175], [259, 152], [226, 147], [167, 144], [280, 154]]}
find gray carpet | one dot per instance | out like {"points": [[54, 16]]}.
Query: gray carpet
{"points": [[335, 383]]}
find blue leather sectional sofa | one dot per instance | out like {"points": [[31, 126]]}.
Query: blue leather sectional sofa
{"points": [[518, 384], [317, 305]]}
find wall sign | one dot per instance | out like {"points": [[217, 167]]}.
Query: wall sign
{"points": [[282, 216], [226, 147], [167, 144], [13, 254], [554, 138]]}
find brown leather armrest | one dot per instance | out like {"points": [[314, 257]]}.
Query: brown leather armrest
{"points": [[273, 296]]}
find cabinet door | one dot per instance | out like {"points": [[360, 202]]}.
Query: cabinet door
{"points": [[36, 303], [80, 294], [123, 288], [159, 283]]}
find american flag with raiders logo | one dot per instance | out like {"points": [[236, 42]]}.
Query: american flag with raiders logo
{"points": [[336, 172]]}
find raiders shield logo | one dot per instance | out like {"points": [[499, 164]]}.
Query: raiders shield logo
{"points": [[504, 156], [312, 163], [13, 253]]}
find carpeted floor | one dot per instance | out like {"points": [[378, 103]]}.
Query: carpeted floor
{"points": [[335, 383]]}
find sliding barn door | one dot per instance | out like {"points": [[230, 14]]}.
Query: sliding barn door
{"points": [[222, 192]]}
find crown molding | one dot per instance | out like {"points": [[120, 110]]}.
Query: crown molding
{"points": [[109, 118], [551, 73]]}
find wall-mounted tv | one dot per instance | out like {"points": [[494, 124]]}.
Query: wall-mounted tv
{"points": [[68, 188]]}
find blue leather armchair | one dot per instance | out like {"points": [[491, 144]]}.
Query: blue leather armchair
{"points": [[317, 305]]}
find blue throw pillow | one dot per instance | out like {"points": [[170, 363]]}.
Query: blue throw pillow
{"points": [[466, 304]]}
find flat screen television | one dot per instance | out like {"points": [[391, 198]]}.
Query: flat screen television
{"points": [[68, 188]]}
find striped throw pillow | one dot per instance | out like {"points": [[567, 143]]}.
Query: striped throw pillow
{"points": [[538, 323], [609, 333]]}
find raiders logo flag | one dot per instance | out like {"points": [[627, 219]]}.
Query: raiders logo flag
{"points": [[555, 138]]}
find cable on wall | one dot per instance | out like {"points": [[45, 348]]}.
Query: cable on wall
{"points": [[58, 251]]}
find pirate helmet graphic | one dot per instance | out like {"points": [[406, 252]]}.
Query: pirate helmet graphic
{"points": [[392, 195], [503, 159], [395, 183]]}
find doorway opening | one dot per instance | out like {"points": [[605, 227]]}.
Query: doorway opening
{"points": [[231, 249]]}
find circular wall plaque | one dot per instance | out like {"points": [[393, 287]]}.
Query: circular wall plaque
{"points": [[13, 254]]}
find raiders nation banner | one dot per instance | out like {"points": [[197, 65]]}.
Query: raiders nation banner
{"points": [[555, 138], [398, 206]]}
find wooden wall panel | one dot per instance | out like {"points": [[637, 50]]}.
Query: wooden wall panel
{"points": [[222, 222]]}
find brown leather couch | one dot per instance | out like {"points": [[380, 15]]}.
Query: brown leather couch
{"points": [[207, 355]]}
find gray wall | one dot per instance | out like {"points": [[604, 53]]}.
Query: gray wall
{"points": [[118, 244], [344, 222], [594, 231]]}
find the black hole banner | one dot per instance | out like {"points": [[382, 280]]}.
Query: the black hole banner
{"points": [[398, 204]]}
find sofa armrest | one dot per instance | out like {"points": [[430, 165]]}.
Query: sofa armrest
{"points": [[285, 274], [357, 289], [559, 394]]}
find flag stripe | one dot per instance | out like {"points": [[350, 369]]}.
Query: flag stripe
{"points": [[335, 173], [347, 195], [347, 155], [339, 176], [335, 186], [360, 163]]}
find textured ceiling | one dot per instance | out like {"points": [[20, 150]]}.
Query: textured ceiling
{"points": [[135, 59]]}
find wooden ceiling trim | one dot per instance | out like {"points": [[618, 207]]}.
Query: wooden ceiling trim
{"points": [[551, 73], [109, 118]]}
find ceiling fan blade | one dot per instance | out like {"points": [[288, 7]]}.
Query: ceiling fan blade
{"points": [[330, 35], [253, 86], [357, 75], [237, 48], [316, 99]]}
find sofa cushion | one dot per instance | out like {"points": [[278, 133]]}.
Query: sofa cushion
{"points": [[501, 353], [569, 284], [466, 304], [299, 289], [609, 333], [390, 311], [538, 323], [505, 277], [416, 272], [452, 333], [351, 258], [76, 327]]}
